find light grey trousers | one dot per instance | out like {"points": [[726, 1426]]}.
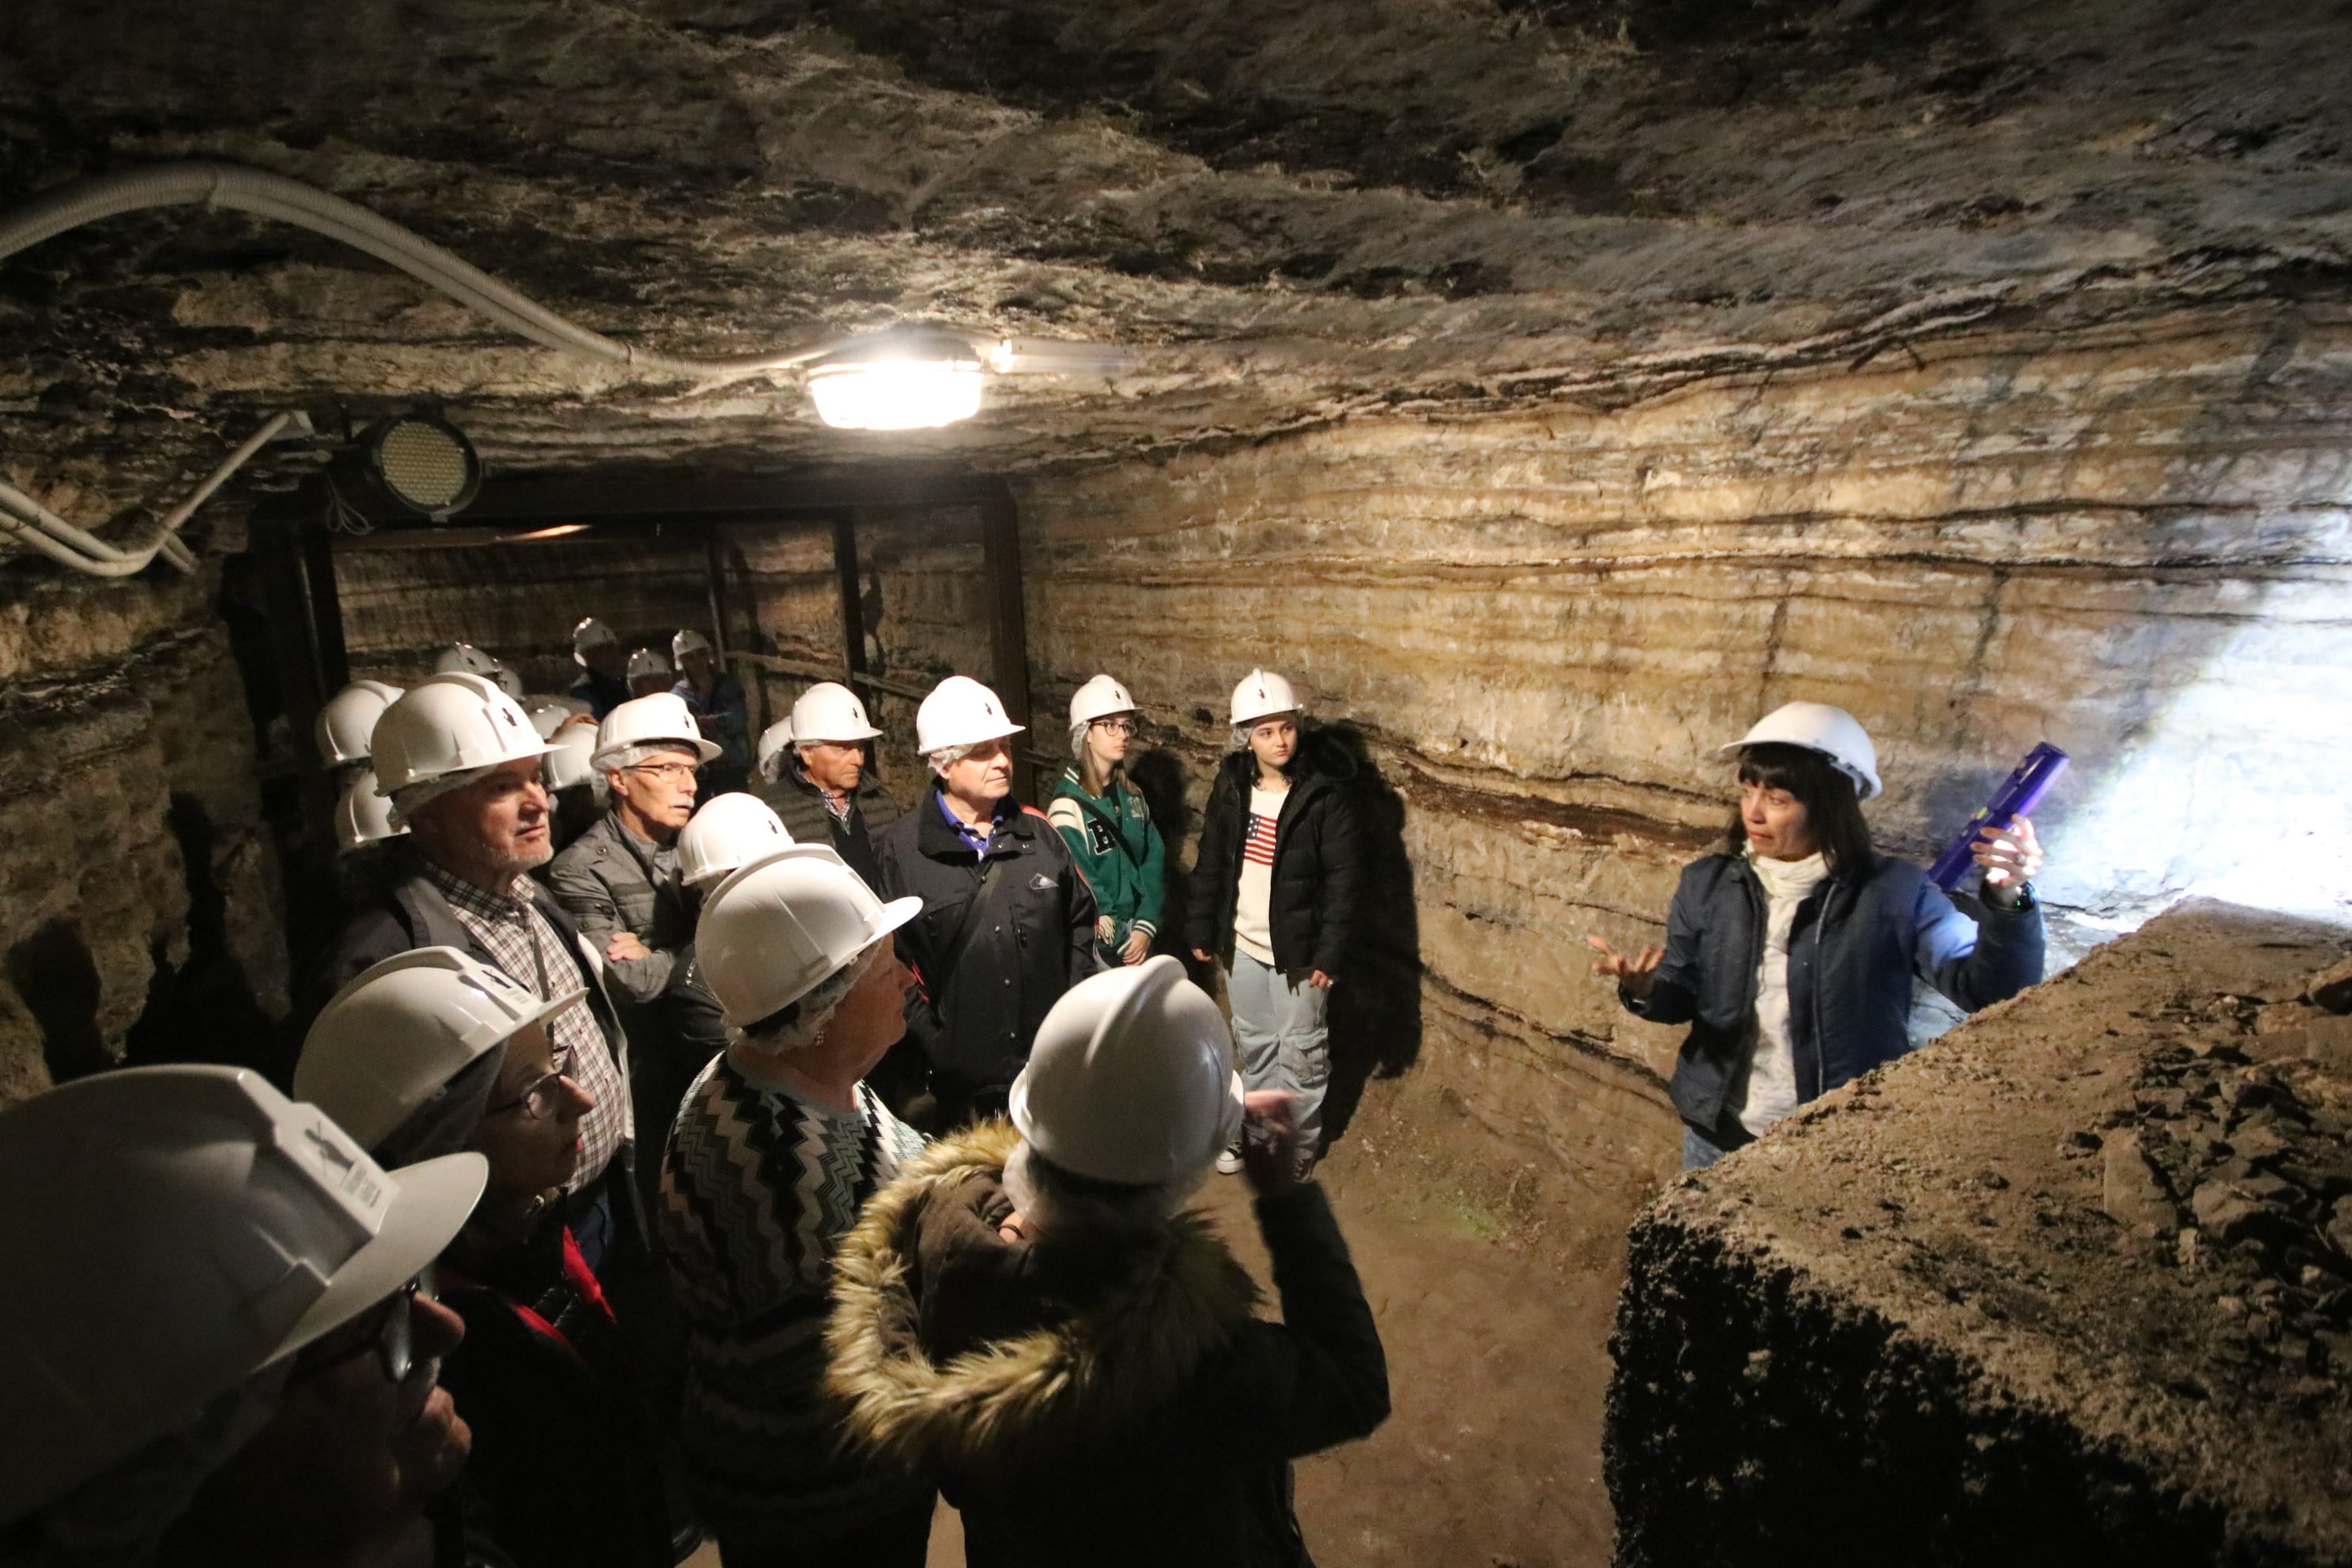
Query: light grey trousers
{"points": [[1280, 1037]]}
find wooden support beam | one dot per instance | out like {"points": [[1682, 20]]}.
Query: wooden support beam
{"points": [[1008, 619]]}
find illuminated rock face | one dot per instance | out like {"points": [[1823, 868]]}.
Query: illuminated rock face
{"points": [[2131, 542], [2070, 1287], [1549, 386]]}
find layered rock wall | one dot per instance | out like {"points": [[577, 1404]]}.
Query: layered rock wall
{"points": [[141, 915], [2127, 539]]}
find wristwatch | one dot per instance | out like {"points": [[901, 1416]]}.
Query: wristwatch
{"points": [[2022, 895]]}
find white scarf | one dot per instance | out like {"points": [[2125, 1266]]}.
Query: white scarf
{"points": [[1772, 1069]]}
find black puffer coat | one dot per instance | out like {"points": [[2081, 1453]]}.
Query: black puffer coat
{"points": [[1318, 860], [1032, 936], [800, 806]]}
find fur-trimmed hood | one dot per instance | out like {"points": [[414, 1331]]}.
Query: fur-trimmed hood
{"points": [[1122, 1351]]}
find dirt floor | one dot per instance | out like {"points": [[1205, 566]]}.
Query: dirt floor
{"points": [[1495, 1295]]}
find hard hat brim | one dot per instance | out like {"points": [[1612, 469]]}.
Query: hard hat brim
{"points": [[869, 733], [437, 1198], [706, 750], [1865, 787]]}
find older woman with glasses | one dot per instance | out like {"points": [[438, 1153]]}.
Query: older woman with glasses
{"points": [[431, 1052], [1108, 825]]}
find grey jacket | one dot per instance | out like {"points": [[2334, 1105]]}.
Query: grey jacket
{"points": [[605, 880]]}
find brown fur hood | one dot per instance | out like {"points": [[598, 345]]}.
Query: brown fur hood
{"points": [[1178, 1296]]}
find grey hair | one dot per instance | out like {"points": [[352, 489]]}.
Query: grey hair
{"points": [[947, 757], [410, 799], [620, 759], [800, 1024]]}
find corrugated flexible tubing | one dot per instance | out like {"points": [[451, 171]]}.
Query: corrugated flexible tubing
{"points": [[79, 202]]}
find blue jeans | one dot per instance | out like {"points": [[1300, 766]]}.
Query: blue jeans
{"points": [[1280, 1037], [1699, 1152]]}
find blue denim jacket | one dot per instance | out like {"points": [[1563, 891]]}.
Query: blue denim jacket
{"points": [[1856, 942]]}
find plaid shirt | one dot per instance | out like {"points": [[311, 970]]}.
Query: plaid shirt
{"points": [[532, 953]]}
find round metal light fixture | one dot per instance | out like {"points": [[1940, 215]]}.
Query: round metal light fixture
{"points": [[424, 464], [912, 379]]}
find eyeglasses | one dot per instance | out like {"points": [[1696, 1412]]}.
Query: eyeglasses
{"points": [[668, 773], [537, 1099], [1115, 726], [392, 1335]]}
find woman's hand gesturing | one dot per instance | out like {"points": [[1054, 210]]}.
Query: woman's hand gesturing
{"points": [[1632, 974], [2010, 856]]}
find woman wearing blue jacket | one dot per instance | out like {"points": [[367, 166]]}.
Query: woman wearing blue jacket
{"points": [[1790, 950]]}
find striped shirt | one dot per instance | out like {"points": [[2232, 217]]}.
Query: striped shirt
{"points": [[757, 1188], [533, 954]]}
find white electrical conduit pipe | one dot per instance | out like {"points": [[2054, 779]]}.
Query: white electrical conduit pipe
{"points": [[28, 522], [79, 202]]}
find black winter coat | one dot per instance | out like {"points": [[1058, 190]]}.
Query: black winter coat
{"points": [[1857, 941], [1032, 938], [1318, 861], [801, 806], [1097, 1400]]}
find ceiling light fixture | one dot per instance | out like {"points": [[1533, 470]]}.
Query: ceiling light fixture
{"points": [[910, 379], [423, 463]]}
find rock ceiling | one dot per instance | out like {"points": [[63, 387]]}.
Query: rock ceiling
{"points": [[1296, 214]]}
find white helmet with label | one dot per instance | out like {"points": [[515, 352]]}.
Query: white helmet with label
{"points": [[1099, 698], [731, 830], [589, 633], [646, 662], [778, 927], [685, 641], [960, 711], [1261, 695], [448, 724], [660, 720], [830, 712], [570, 760], [403, 1029], [363, 815], [1818, 727], [1131, 1079], [347, 723], [193, 1226]]}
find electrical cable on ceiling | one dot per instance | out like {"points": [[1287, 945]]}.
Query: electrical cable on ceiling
{"points": [[28, 522], [86, 201]]}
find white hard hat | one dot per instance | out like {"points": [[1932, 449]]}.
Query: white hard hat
{"points": [[687, 641], [730, 830], [647, 661], [960, 711], [363, 817], [589, 633], [401, 1029], [172, 1231], [830, 712], [464, 658], [1099, 698], [1131, 1078], [548, 712], [570, 760], [447, 724], [662, 719], [347, 722], [773, 741], [1818, 727], [778, 926], [1261, 695]]}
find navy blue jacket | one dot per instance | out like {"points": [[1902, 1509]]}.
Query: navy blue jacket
{"points": [[1857, 941]]}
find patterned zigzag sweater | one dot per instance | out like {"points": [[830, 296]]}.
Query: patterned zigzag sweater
{"points": [[757, 1188]]}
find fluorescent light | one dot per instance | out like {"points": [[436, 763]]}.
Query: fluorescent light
{"points": [[897, 381]]}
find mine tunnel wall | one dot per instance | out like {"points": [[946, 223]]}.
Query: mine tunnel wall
{"points": [[2124, 538]]}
